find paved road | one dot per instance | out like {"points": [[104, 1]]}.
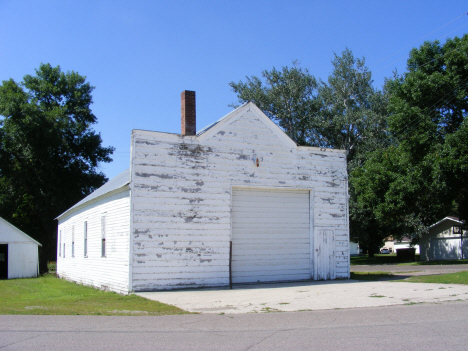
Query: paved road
{"points": [[411, 270], [416, 327]]}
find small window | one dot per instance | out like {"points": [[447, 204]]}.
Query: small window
{"points": [[73, 241], [60, 244], [103, 236], [63, 250], [85, 238]]}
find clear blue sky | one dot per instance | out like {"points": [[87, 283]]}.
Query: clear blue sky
{"points": [[140, 55]]}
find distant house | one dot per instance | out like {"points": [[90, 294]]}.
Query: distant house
{"points": [[171, 220], [393, 245], [444, 241], [19, 253]]}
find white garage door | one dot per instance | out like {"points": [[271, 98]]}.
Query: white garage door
{"points": [[270, 235]]}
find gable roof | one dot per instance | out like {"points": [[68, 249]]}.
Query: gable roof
{"points": [[115, 183], [237, 113], [455, 220], [19, 231]]}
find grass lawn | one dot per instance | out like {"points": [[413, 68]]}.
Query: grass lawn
{"points": [[377, 259], [392, 259], [51, 295], [449, 278]]}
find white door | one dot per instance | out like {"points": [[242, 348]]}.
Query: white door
{"points": [[324, 255], [270, 235]]}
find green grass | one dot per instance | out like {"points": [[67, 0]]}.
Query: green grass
{"points": [[392, 259], [370, 276], [377, 259], [433, 263], [50, 295], [449, 278]]}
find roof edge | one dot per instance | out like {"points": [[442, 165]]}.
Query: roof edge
{"points": [[448, 218], [19, 230], [95, 199]]}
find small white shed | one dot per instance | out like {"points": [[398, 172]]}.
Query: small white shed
{"points": [[19, 253], [444, 241]]}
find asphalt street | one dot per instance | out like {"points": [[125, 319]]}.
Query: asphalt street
{"points": [[411, 327]]}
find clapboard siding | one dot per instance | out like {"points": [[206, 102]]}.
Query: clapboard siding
{"points": [[182, 197], [110, 272]]}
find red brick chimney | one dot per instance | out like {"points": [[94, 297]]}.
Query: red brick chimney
{"points": [[188, 113]]}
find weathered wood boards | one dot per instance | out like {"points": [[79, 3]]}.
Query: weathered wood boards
{"points": [[283, 207], [182, 200]]}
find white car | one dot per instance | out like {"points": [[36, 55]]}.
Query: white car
{"points": [[384, 251]]}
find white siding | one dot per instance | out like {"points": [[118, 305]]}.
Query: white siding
{"points": [[22, 260], [181, 196], [441, 244], [110, 272]]}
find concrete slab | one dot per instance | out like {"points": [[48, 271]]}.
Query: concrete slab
{"points": [[307, 296]]}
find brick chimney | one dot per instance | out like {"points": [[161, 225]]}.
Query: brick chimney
{"points": [[188, 113]]}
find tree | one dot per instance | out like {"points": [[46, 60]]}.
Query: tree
{"points": [[422, 177], [288, 97], [354, 112], [347, 113], [48, 152]]}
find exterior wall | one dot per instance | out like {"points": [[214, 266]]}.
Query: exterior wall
{"points": [[22, 260], [441, 244], [182, 193], [389, 245], [110, 272], [353, 249], [405, 245]]}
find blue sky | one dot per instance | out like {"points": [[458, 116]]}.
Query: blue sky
{"points": [[141, 55]]}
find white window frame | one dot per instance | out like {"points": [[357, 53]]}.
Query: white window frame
{"points": [[103, 235], [73, 241], [85, 238]]}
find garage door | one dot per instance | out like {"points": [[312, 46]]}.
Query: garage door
{"points": [[270, 235]]}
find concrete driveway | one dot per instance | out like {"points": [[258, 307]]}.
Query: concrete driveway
{"points": [[307, 296]]}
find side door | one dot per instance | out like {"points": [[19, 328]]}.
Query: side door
{"points": [[4, 261]]}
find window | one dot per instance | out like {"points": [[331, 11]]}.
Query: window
{"points": [[85, 238], [63, 250], [73, 241], [60, 244], [103, 236]]}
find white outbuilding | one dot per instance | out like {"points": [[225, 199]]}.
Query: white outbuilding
{"points": [[445, 240], [19, 253], [236, 202]]}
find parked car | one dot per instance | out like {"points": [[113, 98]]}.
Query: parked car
{"points": [[385, 251]]}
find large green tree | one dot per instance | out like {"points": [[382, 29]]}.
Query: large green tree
{"points": [[353, 111], [422, 176], [289, 97], [48, 151], [345, 113]]}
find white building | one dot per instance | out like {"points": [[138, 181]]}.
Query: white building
{"points": [[170, 220], [444, 241], [19, 253]]}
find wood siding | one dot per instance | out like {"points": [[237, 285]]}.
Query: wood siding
{"points": [[112, 271], [182, 188]]}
